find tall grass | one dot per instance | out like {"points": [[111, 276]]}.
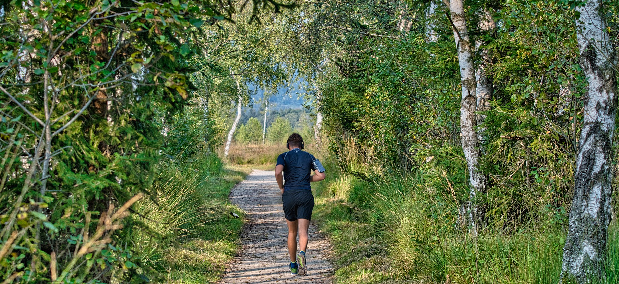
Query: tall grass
{"points": [[261, 156], [186, 231], [405, 230]]}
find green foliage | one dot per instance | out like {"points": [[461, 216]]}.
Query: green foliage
{"points": [[401, 230], [391, 100], [98, 95], [185, 231], [279, 131], [250, 132]]}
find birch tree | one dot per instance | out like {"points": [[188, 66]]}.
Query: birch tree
{"points": [[468, 107], [264, 121], [318, 126], [239, 106], [431, 34], [484, 83], [584, 253]]}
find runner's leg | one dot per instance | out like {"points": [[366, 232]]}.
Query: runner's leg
{"points": [[303, 236], [292, 239]]}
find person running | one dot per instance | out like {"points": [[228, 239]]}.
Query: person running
{"points": [[295, 167]]}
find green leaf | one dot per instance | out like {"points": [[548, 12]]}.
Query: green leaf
{"points": [[196, 22], [175, 2], [219, 18], [50, 226], [38, 215], [16, 119], [181, 92], [136, 67], [48, 199], [39, 71], [185, 50], [44, 255]]}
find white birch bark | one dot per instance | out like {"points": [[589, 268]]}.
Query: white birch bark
{"points": [[468, 119], [318, 127], [233, 129], [264, 123], [584, 253], [431, 34]]}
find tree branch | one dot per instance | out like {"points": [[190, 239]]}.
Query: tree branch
{"points": [[76, 115], [79, 28], [22, 107], [18, 122]]}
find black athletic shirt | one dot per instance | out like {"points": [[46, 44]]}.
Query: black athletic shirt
{"points": [[297, 168]]}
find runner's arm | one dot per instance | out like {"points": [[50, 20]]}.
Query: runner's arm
{"points": [[318, 176], [279, 177]]}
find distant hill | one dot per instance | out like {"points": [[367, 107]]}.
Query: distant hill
{"points": [[289, 102], [293, 97]]}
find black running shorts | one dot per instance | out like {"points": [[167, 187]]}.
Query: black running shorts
{"points": [[298, 204]]}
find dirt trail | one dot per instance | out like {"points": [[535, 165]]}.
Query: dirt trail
{"points": [[264, 256]]}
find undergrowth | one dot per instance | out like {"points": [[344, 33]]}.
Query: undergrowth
{"points": [[406, 230], [185, 231]]}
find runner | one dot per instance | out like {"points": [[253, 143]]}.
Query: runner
{"points": [[296, 166]]}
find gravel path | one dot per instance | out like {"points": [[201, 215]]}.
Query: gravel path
{"points": [[264, 256]]}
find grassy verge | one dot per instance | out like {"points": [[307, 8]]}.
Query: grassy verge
{"points": [[404, 230], [185, 231]]}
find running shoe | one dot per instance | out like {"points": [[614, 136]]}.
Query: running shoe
{"points": [[302, 263], [294, 268]]}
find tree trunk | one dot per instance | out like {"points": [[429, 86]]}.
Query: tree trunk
{"points": [[431, 34], [468, 108], [484, 84], [264, 124], [584, 254], [318, 127], [233, 129], [100, 46], [404, 21], [48, 135]]}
